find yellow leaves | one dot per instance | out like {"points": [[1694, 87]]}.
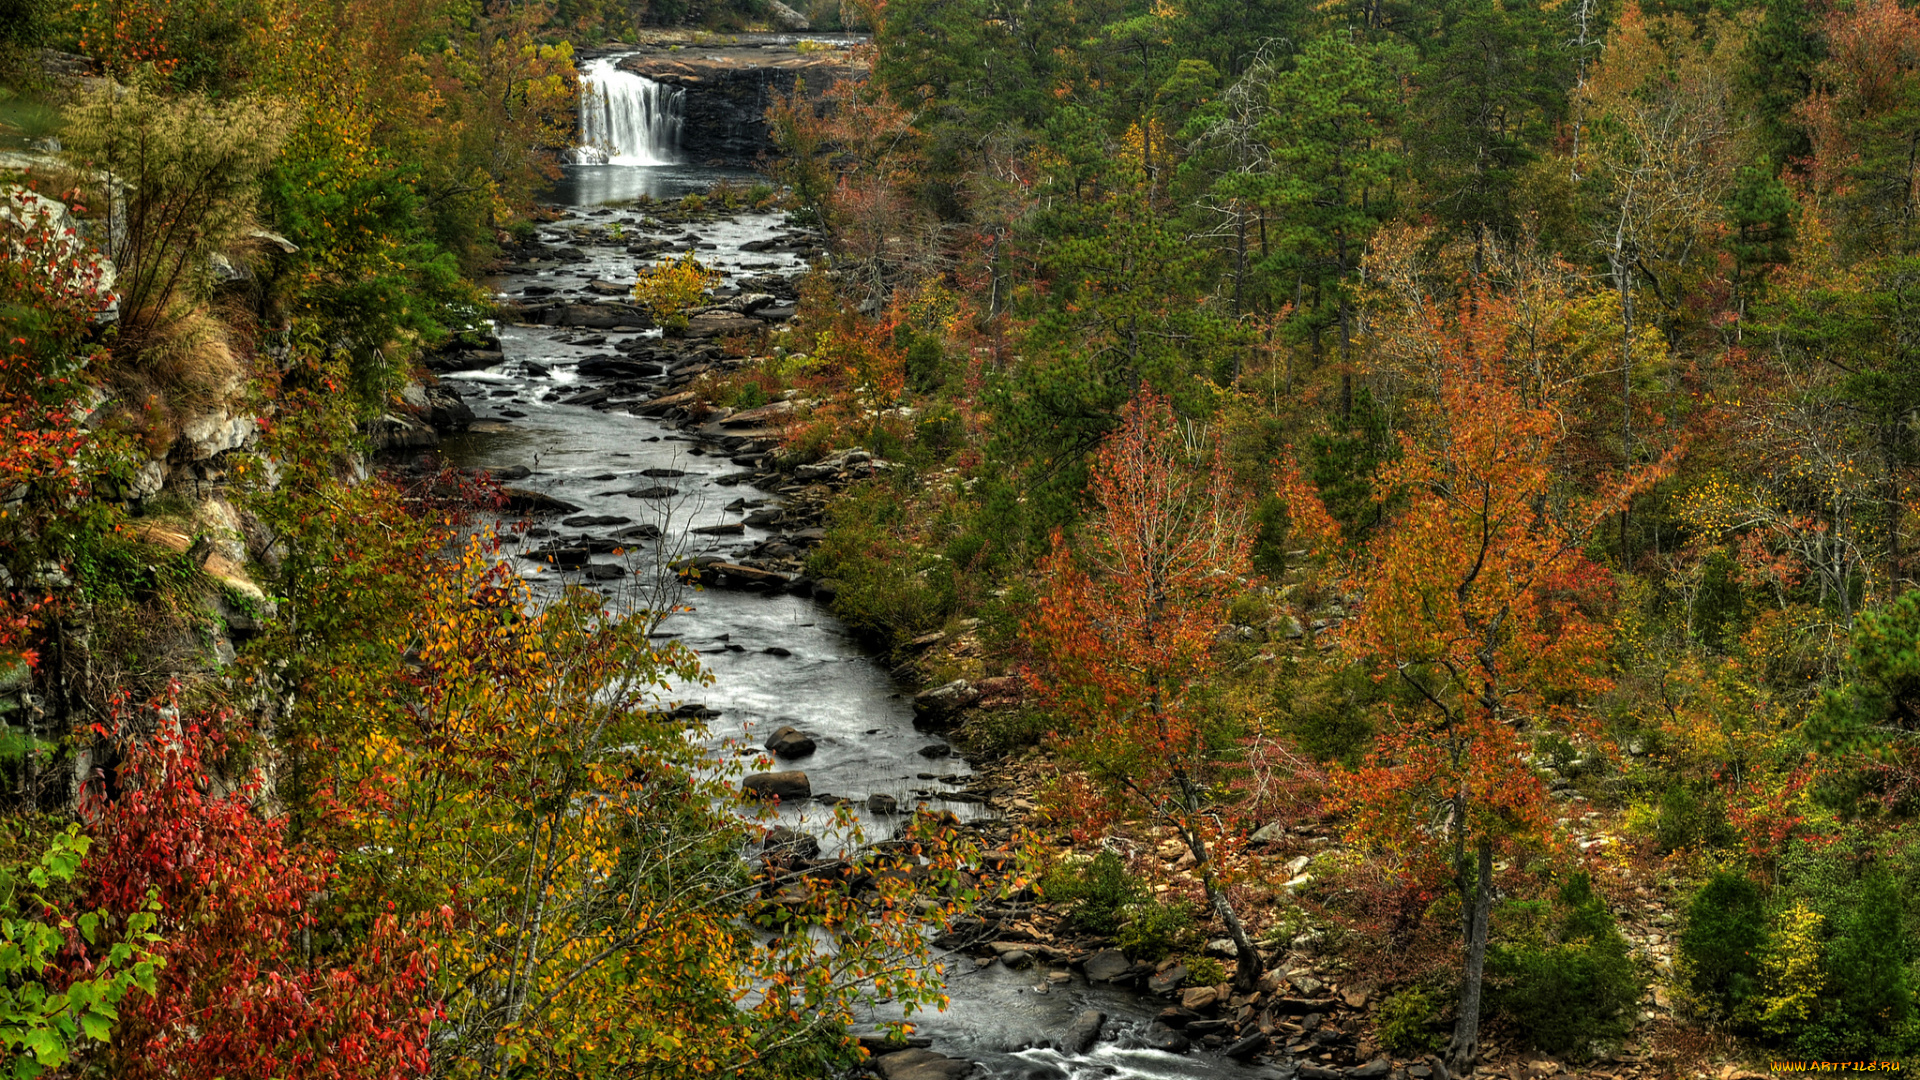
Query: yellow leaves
{"points": [[1790, 970]]}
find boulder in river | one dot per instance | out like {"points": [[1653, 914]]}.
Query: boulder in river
{"points": [[785, 786], [878, 804], [1161, 1037], [1083, 1031], [788, 743], [523, 501], [921, 1065]]}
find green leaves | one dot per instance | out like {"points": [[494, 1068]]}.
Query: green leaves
{"points": [[41, 1026], [1879, 707]]}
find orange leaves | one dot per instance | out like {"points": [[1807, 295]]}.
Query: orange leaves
{"points": [[1125, 632]]}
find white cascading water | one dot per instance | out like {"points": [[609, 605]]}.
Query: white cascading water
{"points": [[627, 119]]}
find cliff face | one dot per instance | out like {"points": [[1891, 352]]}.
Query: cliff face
{"points": [[729, 90]]}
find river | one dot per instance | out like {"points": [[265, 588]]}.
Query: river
{"points": [[775, 658]]}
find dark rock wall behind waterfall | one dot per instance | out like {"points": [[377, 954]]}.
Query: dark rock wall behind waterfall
{"points": [[728, 93]]}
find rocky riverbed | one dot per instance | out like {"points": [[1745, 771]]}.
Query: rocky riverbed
{"points": [[593, 420]]}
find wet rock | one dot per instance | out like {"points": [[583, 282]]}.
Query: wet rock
{"points": [[937, 750], [648, 531], [732, 528], [607, 367], [882, 804], [918, 1064], [597, 316], [1166, 982], [605, 572], [588, 397], [722, 324], [1372, 1070], [1106, 965], [653, 491], [788, 743], [523, 501], [781, 840], [590, 521], [1083, 1031], [736, 576], [775, 650], [1161, 1037], [785, 786], [564, 558]]}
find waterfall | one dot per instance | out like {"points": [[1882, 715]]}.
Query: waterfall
{"points": [[626, 119]]}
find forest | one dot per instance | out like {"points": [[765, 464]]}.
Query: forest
{"points": [[1408, 512]]}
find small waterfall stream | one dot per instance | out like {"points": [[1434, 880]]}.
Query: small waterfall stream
{"points": [[628, 119]]}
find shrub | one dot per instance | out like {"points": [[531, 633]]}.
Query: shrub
{"points": [[1726, 928], [1868, 961], [670, 287], [1567, 982], [1205, 971], [184, 159], [1153, 929], [1406, 1020], [1096, 893]]}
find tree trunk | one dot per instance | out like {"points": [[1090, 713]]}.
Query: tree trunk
{"points": [[1247, 966], [1475, 907]]}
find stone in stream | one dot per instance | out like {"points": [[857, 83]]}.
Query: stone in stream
{"points": [[937, 750], [1106, 965], [588, 397], [663, 474], [648, 531], [784, 841], [599, 367], [921, 1065], [785, 786], [775, 650], [1161, 1037], [1083, 1031], [605, 572], [733, 528], [564, 558], [657, 491], [522, 501], [882, 804], [512, 472], [788, 743], [589, 521]]}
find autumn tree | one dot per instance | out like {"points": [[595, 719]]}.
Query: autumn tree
{"points": [[1124, 637], [1476, 597], [259, 979]]}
